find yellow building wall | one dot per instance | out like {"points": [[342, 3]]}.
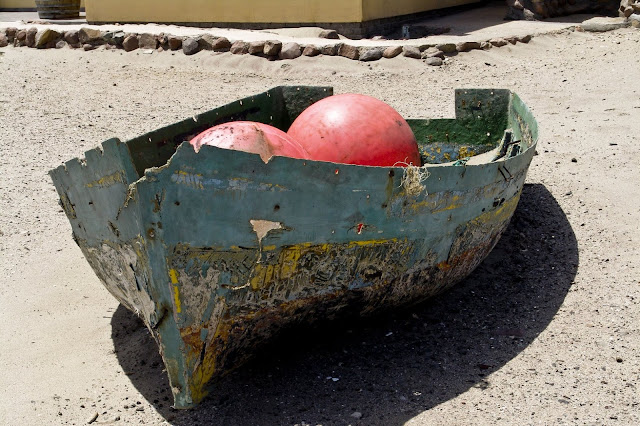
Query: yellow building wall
{"points": [[257, 11], [22, 4], [17, 4], [250, 11], [377, 9]]}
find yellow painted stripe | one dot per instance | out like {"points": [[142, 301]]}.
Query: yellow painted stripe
{"points": [[106, 181], [176, 296], [173, 274], [371, 242]]}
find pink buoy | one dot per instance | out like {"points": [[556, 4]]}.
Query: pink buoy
{"points": [[356, 129], [248, 136]]}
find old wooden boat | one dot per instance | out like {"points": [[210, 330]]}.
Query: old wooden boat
{"points": [[217, 251]]}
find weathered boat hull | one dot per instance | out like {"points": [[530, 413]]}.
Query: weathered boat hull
{"points": [[217, 251]]}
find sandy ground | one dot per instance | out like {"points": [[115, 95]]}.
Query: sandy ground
{"points": [[544, 332]]}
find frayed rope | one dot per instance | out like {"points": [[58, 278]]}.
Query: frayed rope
{"points": [[413, 178]]}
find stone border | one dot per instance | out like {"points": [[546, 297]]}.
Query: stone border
{"points": [[90, 38]]}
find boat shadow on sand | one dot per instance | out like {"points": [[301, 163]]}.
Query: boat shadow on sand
{"points": [[395, 366]]}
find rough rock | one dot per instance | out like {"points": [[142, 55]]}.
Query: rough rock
{"points": [[330, 34], [311, 50], [272, 47], [498, 42], [163, 41], [447, 47], [3, 40], [221, 44], [635, 20], [392, 51], [21, 36], [525, 39], [515, 4], [624, 4], [71, 37], [190, 46], [485, 45], [239, 47], [30, 39], [434, 61], [367, 54], [466, 46], [114, 38], [256, 47], [331, 49], [628, 11], [424, 47], [290, 51], [43, 37], [411, 52], [11, 34], [147, 41], [512, 39], [89, 35], [61, 44], [175, 43], [349, 51], [517, 11], [130, 43], [205, 41], [600, 24], [432, 52]]}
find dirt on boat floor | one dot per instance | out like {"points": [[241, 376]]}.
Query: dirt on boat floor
{"points": [[544, 332]]}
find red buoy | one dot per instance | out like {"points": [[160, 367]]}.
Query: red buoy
{"points": [[249, 136], [356, 129]]}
